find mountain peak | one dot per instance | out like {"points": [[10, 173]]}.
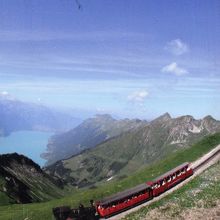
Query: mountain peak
{"points": [[208, 118], [166, 116], [186, 118], [8, 159], [24, 180], [104, 117]]}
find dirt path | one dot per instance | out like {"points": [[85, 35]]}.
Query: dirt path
{"points": [[214, 155]]}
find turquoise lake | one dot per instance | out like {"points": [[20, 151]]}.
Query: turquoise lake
{"points": [[28, 143]]}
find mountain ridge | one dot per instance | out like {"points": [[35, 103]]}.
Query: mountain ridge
{"points": [[133, 149], [88, 134], [23, 181]]}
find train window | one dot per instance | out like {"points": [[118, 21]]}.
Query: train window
{"points": [[178, 173], [164, 182], [174, 176], [168, 179]]}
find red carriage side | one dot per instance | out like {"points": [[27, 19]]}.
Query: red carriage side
{"points": [[123, 200], [170, 179]]}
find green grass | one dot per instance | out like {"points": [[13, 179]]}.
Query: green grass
{"points": [[43, 211]]}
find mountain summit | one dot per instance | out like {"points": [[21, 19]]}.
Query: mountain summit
{"points": [[165, 117]]}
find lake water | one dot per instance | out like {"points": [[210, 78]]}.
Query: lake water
{"points": [[28, 143]]}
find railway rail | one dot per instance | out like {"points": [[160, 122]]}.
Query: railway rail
{"points": [[205, 159]]}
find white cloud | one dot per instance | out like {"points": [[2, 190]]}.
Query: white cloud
{"points": [[138, 96], [4, 93], [177, 47], [6, 96], [174, 69]]}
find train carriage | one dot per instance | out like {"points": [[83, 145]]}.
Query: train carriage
{"points": [[127, 199], [124, 200], [170, 179]]}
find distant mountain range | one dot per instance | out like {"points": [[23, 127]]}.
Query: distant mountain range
{"points": [[16, 115], [23, 181], [88, 134], [117, 154]]}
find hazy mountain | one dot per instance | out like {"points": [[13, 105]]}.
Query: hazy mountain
{"points": [[88, 134], [16, 115], [128, 152], [23, 181]]}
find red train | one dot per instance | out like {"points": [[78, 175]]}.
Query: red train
{"points": [[127, 199], [141, 193]]}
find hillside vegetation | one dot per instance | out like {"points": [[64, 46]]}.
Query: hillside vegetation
{"points": [[43, 211], [120, 156], [88, 134]]}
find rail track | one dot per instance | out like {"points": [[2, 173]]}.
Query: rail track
{"points": [[198, 167], [205, 159]]}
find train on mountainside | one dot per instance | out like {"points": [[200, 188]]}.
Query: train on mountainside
{"points": [[127, 199]]}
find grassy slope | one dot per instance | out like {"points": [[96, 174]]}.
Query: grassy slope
{"points": [[43, 210], [39, 187], [201, 194]]}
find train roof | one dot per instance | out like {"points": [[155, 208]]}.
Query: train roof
{"points": [[171, 172], [124, 194]]}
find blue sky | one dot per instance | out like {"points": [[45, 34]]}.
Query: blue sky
{"points": [[130, 58]]}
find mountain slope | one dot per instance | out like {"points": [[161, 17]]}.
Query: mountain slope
{"points": [[90, 133], [16, 115], [38, 211], [125, 154], [23, 181]]}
